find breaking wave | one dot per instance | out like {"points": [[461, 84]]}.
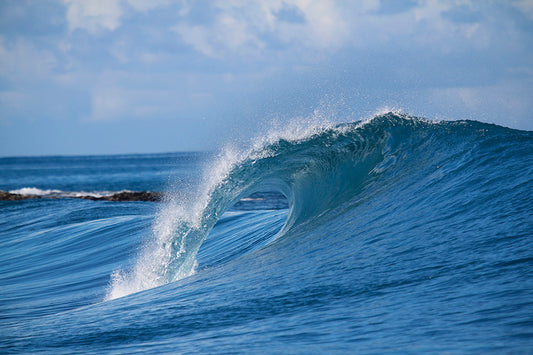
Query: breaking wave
{"points": [[323, 170]]}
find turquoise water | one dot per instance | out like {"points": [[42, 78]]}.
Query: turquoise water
{"points": [[393, 235]]}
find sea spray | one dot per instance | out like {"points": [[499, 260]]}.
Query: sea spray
{"points": [[163, 258], [187, 216]]}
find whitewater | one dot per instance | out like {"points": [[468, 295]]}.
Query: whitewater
{"points": [[394, 234]]}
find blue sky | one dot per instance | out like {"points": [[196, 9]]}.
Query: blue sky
{"points": [[132, 76]]}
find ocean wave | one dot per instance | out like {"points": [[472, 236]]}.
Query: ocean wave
{"points": [[323, 170]]}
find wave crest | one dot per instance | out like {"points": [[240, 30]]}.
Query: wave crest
{"points": [[322, 169]]}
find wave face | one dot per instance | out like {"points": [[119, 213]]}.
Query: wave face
{"points": [[396, 234], [328, 171]]}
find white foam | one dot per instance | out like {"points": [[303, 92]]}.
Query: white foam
{"points": [[155, 261], [34, 191]]}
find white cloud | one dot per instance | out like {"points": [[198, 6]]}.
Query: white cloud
{"points": [[249, 28], [243, 27], [94, 15], [255, 29], [228, 34], [434, 29], [325, 25], [100, 15], [199, 37], [231, 32]]}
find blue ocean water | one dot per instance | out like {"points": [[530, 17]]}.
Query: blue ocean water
{"points": [[393, 235]]}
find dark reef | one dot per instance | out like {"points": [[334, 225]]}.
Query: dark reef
{"points": [[119, 196], [129, 196], [6, 196]]}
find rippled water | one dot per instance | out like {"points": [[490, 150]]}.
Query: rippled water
{"points": [[397, 234]]}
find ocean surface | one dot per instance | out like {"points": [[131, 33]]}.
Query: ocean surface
{"points": [[396, 234]]}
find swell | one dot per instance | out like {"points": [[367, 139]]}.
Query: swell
{"points": [[323, 171]]}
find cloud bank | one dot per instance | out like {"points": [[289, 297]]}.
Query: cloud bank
{"points": [[179, 64]]}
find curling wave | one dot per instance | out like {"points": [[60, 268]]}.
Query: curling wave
{"points": [[323, 171]]}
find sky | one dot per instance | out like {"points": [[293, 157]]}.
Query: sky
{"points": [[83, 77]]}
